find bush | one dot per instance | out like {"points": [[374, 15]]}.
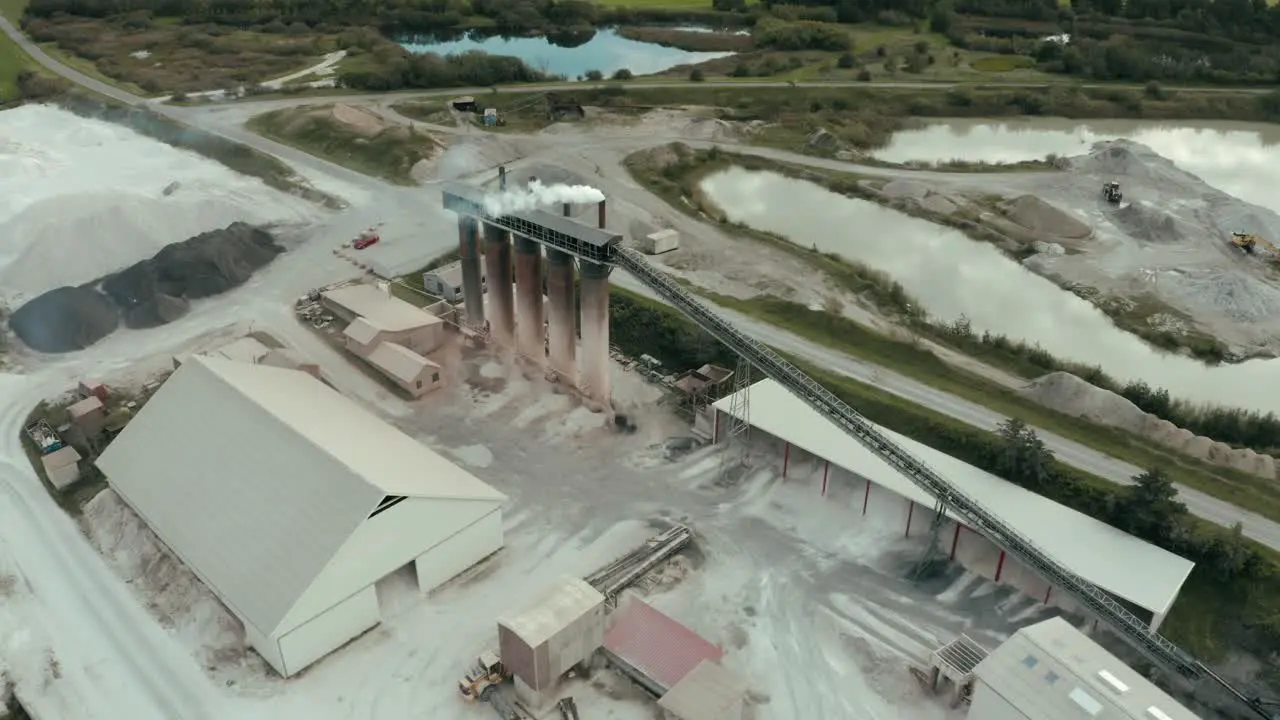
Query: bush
{"points": [[802, 36], [696, 75]]}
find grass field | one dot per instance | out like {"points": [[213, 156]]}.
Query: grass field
{"points": [[657, 4], [12, 59], [377, 150]]}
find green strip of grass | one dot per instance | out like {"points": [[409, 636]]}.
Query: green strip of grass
{"points": [[390, 154], [850, 338]]}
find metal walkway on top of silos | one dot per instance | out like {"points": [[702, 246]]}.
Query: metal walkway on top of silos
{"points": [[602, 247]]}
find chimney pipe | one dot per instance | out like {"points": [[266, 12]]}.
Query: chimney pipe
{"points": [[502, 177], [568, 209], [602, 214]]}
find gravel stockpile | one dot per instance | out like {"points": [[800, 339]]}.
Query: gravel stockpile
{"points": [[65, 319], [1040, 217], [1148, 223], [1067, 393], [149, 293]]}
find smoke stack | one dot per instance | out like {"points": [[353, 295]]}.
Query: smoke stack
{"points": [[502, 177], [602, 214], [568, 209]]}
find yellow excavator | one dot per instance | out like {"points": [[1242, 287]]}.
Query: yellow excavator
{"points": [[1248, 243]]}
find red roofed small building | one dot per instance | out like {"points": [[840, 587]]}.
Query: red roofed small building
{"points": [[655, 650]]}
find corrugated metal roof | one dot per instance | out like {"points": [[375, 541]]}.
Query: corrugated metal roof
{"points": [[85, 406], [558, 609], [379, 308], [400, 362], [1052, 671], [1119, 563], [708, 692], [255, 476], [656, 645], [361, 331]]}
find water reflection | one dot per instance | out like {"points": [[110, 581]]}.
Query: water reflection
{"points": [[1237, 158], [571, 53], [952, 275]]}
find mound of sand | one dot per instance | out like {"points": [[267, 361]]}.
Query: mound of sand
{"points": [[1039, 216], [150, 293], [65, 319], [358, 120], [1143, 221], [1125, 158], [905, 188], [1067, 393], [74, 239]]}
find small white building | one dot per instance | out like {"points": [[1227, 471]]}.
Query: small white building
{"points": [[446, 281], [290, 502], [660, 242], [1052, 671]]}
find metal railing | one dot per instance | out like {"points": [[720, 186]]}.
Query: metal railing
{"points": [[1125, 623]]}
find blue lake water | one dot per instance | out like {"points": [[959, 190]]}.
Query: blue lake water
{"points": [[607, 52]]}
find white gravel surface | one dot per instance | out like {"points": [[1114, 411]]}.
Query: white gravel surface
{"points": [[82, 198]]}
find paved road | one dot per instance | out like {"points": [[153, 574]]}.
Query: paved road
{"points": [[226, 120]]}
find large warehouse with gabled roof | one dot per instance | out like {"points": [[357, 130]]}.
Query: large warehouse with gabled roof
{"points": [[290, 502], [1143, 577]]}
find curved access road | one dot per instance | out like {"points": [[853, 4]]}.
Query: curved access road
{"points": [[226, 119]]}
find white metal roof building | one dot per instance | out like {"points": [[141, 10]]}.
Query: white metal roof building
{"points": [[1052, 671], [378, 308], [1121, 564], [290, 501]]}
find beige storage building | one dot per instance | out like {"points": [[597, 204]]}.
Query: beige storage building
{"points": [[62, 466], [393, 319], [88, 415], [410, 371], [541, 644]]}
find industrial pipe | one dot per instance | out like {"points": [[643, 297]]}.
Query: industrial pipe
{"points": [[602, 202], [502, 177], [568, 209]]}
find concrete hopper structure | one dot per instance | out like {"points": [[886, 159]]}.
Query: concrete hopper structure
{"points": [[709, 692], [1052, 671], [539, 645], [1147, 579], [290, 502], [569, 246]]}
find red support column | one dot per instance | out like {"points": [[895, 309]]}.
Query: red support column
{"points": [[955, 541], [911, 510], [1046, 594], [826, 469], [1000, 566], [865, 497], [786, 458]]}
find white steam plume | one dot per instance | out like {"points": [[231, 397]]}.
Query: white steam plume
{"points": [[536, 195]]}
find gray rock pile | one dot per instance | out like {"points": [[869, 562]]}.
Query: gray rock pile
{"points": [[1069, 394]]}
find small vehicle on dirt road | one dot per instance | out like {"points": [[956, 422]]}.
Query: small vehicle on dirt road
{"points": [[367, 238]]}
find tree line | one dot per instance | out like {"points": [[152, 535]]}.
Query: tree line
{"points": [[395, 68], [1260, 431]]}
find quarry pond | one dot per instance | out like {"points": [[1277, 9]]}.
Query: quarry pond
{"points": [[953, 275], [606, 51], [1242, 159]]}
